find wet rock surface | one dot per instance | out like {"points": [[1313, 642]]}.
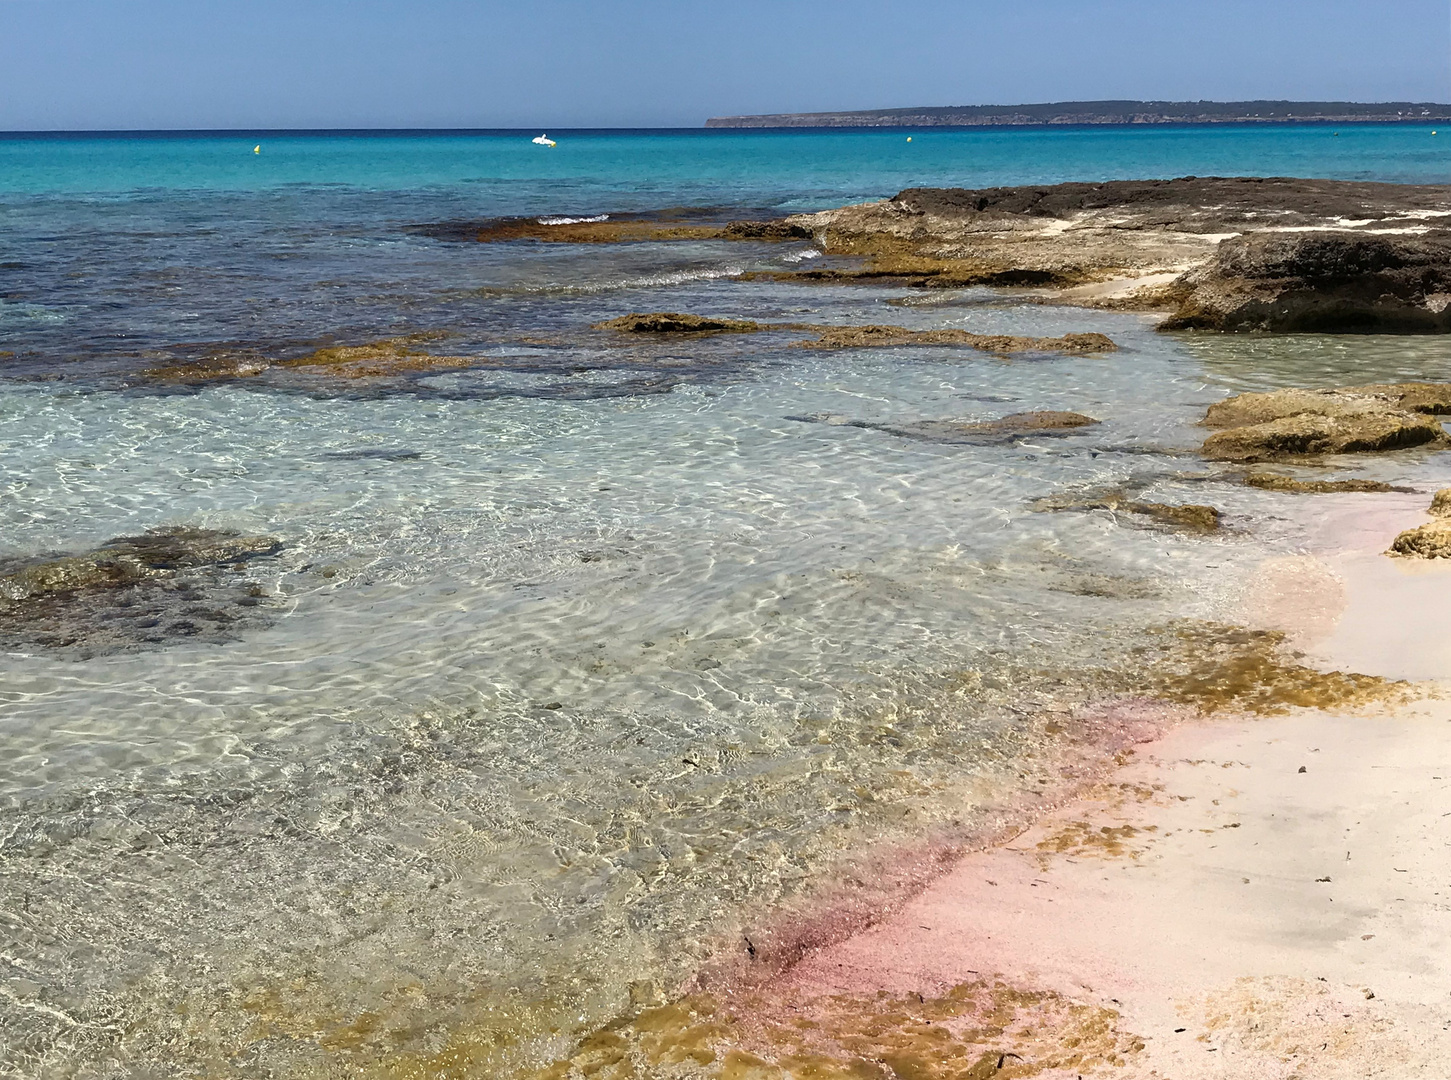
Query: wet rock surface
{"points": [[1279, 482], [857, 337], [871, 335], [1326, 282], [1186, 517], [672, 322], [1441, 503], [135, 592], [388, 358], [1356, 419], [668, 224], [1004, 429]]}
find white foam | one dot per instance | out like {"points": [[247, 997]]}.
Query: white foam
{"points": [[573, 220]]}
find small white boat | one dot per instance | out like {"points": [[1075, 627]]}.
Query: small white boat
{"points": [[544, 140]]}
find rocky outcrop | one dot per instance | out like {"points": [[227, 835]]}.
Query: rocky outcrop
{"points": [[1140, 233], [1441, 503], [1278, 482], [1312, 434], [671, 322], [1291, 423], [1003, 429], [857, 337], [1330, 282], [1429, 541], [679, 223], [135, 592]]}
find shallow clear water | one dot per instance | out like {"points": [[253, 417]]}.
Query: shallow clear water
{"points": [[571, 658]]}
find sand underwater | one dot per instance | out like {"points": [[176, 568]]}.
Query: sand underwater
{"points": [[403, 676]]}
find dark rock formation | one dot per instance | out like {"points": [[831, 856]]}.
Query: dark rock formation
{"points": [[1322, 282], [133, 592], [670, 322], [1200, 204], [777, 230]]}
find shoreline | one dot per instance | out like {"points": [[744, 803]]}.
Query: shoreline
{"points": [[1247, 896]]}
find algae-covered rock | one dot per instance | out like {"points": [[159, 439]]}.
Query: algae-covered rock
{"points": [[1441, 503], [1192, 516], [136, 592], [1315, 433], [877, 336], [672, 322], [1003, 429], [1429, 541], [776, 230], [1278, 482], [1189, 517], [131, 559]]}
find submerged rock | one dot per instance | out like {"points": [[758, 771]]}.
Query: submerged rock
{"points": [[671, 322], [374, 359], [1357, 419], [1279, 482], [856, 337], [1429, 541], [1003, 429], [1190, 517], [1327, 282], [134, 591]]}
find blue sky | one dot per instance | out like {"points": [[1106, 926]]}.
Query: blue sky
{"points": [[67, 64]]}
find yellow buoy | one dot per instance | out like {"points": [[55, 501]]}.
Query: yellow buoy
{"points": [[257, 149], [909, 138]]}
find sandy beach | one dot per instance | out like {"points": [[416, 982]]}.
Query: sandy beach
{"points": [[1266, 897], [1249, 896]]}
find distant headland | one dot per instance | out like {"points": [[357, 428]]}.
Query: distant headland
{"points": [[1109, 112]]}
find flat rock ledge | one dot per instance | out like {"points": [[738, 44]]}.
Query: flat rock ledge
{"points": [[1301, 423], [1215, 253], [859, 337]]}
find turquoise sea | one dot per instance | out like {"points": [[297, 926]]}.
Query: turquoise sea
{"points": [[574, 658]]}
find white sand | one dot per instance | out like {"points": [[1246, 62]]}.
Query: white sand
{"points": [[1294, 924]]}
